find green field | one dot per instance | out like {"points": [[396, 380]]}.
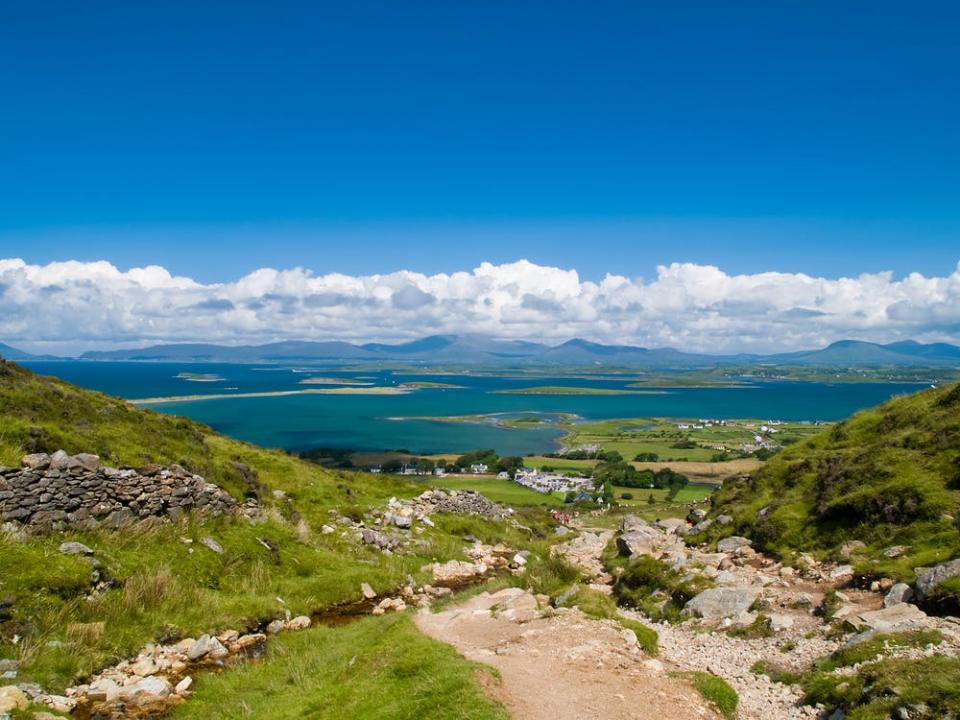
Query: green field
{"points": [[501, 491], [688, 494], [373, 668], [633, 436]]}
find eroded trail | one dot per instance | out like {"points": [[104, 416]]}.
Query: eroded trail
{"points": [[557, 664]]}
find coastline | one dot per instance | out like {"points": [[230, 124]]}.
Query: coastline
{"points": [[276, 393]]}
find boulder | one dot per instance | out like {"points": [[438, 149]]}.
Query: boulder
{"points": [[928, 580], [457, 571], [36, 461], [377, 539], [148, 690], [206, 646], [724, 519], [722, 602], [732, 543], [841, 571], [275, 627], [632, 522], [899, 593], [701, 526], [12, 698], [671, 525], [902, 616], [301, 622], [184, 685], [88, 461], [368, 592], [75, 548], [635, 542]]}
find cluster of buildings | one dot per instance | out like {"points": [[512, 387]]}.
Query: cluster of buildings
{"points": [[547, 482]]}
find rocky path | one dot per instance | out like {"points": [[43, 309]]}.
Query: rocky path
{"points": [[557, 664]]}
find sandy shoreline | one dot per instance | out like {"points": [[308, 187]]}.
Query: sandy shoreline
{"points": [[277, 393]]}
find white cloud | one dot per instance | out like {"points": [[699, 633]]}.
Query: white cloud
{"points": [[70, 306]]}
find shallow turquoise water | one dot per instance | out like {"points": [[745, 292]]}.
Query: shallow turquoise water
{"points": [[370, 422]]}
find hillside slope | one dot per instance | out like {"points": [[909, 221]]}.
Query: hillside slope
{"points": [[64, 616], [887, 477]]}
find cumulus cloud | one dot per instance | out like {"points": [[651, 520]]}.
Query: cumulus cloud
{"points": [[68, 306]]}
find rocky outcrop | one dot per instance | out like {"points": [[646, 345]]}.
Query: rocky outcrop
{"points": [[928, 580], [722, 602], [462, 502], [60, 490]]}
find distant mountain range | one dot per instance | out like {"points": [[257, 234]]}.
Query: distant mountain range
{"points": [[11, 353], [477, 350]]}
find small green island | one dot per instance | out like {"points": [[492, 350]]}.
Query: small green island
{"points": [[332, 381], [427, 385], [200, 377], [574, 390]]}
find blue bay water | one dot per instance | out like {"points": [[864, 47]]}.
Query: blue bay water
{"points": [[377, 422]]}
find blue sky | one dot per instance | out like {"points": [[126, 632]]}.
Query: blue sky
{"points": [[216, 138]]}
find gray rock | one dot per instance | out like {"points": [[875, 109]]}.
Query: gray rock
{"points": [[895, 551], [841, 571], [899, 593], [780, 622], [212, 544], [732, 543], [903, 616], [724, 519], [634, 543], [75, 548], [204, 646], [702, 525], [149, 689], [36, 461], [722, 602], [670, 525], [928, 580], [184, 685], [87, 461], [404, 522], [851, 548], [632, 522]]}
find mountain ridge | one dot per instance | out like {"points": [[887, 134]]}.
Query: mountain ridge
{"points": [[477, 349]]}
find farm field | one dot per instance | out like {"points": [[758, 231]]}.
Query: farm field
{"points": [[670, 442], [500, 491]]}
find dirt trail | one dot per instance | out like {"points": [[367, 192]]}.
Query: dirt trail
{"points": [[560, 665]]}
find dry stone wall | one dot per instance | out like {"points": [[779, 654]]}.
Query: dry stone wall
{"points": [[61, 489]]}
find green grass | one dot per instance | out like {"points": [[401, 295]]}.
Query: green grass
{"points": [[374, 668], [879, 688], [759, 628], [888, 476], [501, 491], [714, 690], [650, 585], [163, 587]]}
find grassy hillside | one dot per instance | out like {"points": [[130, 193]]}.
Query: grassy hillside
{"points": [[165, 583], [888, 476]]}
